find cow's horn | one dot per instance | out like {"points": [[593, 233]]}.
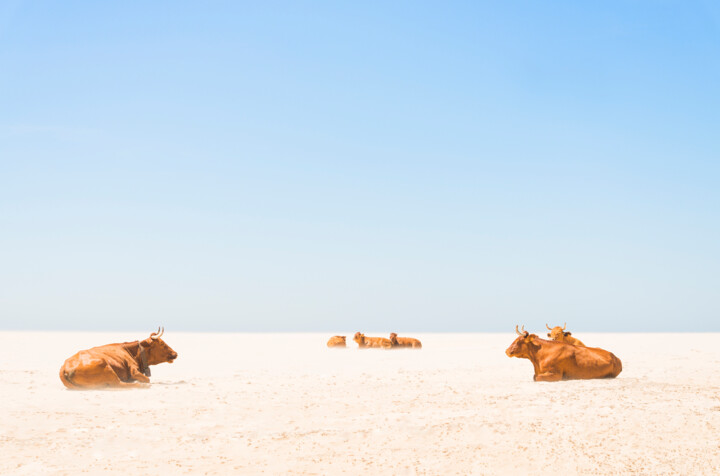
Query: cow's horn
{"points": [[565, 326], [155, 335], [518, 332], [547, 326], [525, 333]]}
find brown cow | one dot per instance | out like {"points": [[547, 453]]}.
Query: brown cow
{"points": [[555, 361], [405, 342], [558, 334], [337, 341], [368, 342], [125, 365]]}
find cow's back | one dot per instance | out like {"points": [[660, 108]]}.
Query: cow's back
{"points": [[378, 342], [574, 341], [409, 342], [574, 362], [593, 362], [88, 367]]}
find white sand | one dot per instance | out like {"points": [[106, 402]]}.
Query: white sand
{"points": [[284, 403]]}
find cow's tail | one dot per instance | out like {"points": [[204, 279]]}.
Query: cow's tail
{"points": [[65, 377]]}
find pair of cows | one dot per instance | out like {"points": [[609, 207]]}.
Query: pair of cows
{"points": [[127, 365], [563, 357], [364, 342]]}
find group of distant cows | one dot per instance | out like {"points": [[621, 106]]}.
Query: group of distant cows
{"points": [[364, 342], [127, 365], [564, 357]]}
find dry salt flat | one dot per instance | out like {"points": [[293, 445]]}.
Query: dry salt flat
{"points": [[285, 404]]}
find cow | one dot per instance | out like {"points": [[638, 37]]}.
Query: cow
{"points": [[368, 342], [555, 361], [125, 365], [558, 334], [405, 342], [336, 341]]}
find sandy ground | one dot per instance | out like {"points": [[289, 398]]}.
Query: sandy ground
{"points": [[285, 404]]}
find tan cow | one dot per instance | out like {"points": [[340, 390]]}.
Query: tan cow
{"points": [[123, 365], [553, 361], [370, 342], [558, 334], [405, 342], [337, 341]]}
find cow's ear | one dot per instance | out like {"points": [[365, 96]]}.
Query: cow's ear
{"points": [[145, 343], [549, 335], [567, 334]]}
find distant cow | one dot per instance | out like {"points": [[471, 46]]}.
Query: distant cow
{"points": [[123, 365], [337, 341], [554, 361], [558, 334], [404, 341], [368, 342]]}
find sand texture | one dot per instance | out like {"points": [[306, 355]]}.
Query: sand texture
{"points": [[286, 404]]}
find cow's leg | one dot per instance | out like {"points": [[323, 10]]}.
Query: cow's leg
{"points": [[139, 376], [134, 373], [548, 377], [105, 377], [116, 382]]}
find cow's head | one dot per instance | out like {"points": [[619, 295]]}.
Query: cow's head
{"points": [[522, 345], [359, 338], [393, 338], [157, 350], [558, 333]]}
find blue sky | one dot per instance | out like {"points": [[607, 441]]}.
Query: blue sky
{"points": [[341, 166]]}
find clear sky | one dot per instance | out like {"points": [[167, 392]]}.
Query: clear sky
{"points": [[342, 166]]}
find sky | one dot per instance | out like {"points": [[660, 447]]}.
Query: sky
{"points": [[360, 166]]}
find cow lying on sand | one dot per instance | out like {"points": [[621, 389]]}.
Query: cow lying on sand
{"points": [[555, 361], [404, 341], [368, 342], [337, 341], [558, 334], [125, 365]]}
